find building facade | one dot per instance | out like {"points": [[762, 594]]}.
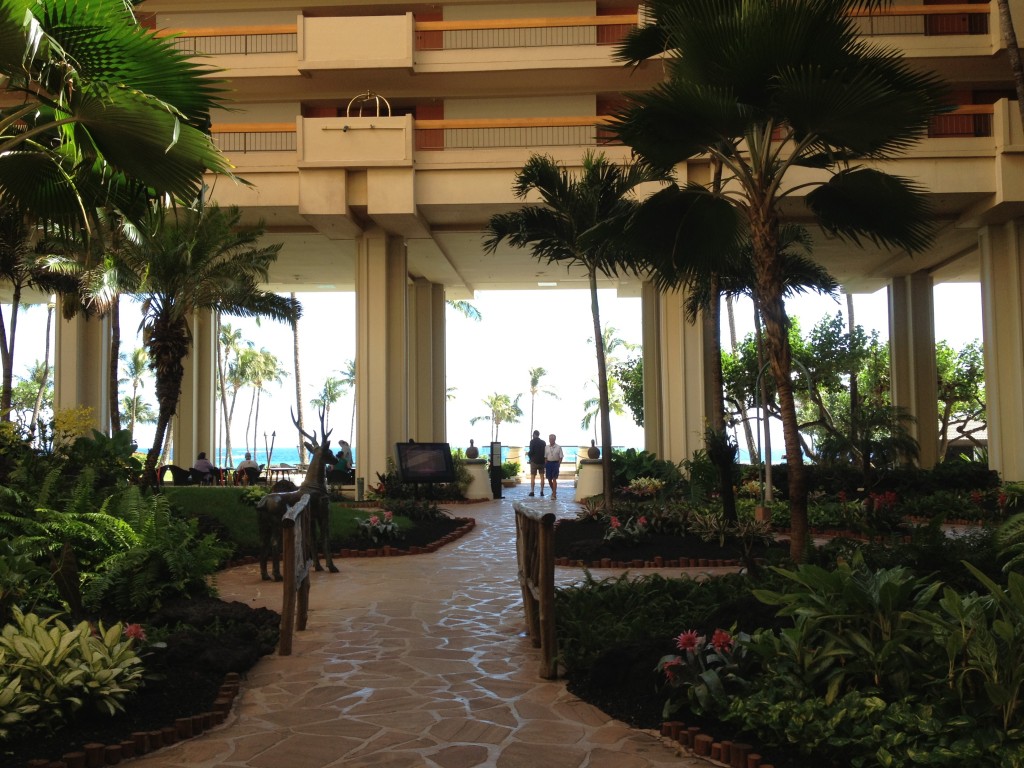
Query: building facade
{"points": [[378, 138]]}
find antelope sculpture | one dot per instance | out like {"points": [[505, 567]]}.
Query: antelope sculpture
{"points": [[271, 508]]}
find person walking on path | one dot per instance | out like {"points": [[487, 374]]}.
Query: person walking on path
{"points": [[535, 454], [552, 465]]}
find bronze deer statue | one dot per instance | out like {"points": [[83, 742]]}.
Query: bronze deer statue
{"points": [[271, 508]]}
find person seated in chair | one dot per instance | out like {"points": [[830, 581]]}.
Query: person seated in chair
{"points": [[246, 471], [205, 470]]}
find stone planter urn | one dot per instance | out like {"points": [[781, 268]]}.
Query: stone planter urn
{"points": [[593, 452], [472, 452]]}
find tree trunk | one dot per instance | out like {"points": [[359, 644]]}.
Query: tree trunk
{"points": [[769, 278], [46, 375], [722, 458], [748, 432], [298, 384], [167, 347], [762, 385], [602, 394], [1012, 51], [854, 390], [113, 362], [221, 365], [7, 353]]}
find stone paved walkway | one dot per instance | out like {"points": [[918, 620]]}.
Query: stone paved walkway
{"points": [[415, 661]]}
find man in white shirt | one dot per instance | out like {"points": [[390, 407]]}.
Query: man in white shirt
{"points": [[552, 464]]}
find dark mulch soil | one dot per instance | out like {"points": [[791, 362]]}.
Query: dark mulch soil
{"points": [[584, 540], [206, 639], [426, 532]]}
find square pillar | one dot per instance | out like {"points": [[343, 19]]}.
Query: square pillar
{"points": [[382, 351], [195, 421], [427, 393], [912, 359], [1002, 315], [81, 352], [675, 391]]}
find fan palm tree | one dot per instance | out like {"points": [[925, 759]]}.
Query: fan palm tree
{"points": [[88, 88], [573, 227], [536, 374], [767, 88], [188, 260], [502, 408]]}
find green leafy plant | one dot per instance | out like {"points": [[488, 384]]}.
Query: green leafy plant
{"points": [[48, 671], [510, 470], [629, 531], [707, 672], [417, 510]]}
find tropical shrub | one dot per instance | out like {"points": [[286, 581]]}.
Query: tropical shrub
{"points": [[380, 529], [510, 470], [630, 464], [417, 510], [48, 671]]}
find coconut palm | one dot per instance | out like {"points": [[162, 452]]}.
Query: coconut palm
{"points": [[330, 393], [189, 260], [464, 308], [767, 88], [536, 374], [138, 411], [88, 88], [348, 380], [136, 367], [229, 343], [573, 227], [502, 408], [262, 368], [298, 385]]}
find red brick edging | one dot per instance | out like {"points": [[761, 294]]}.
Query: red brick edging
{"points": [[731, 753]]}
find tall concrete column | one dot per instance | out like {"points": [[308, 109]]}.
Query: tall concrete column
{"points": [[382, 373], [195, 423], [675, 392], [427, 391], [81, 352], [1002, 316], [912, 359]]}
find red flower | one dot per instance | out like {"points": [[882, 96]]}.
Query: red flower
{"points": [[135, 632], [642, 521], [374, 521], [722, 641], [669, 667], [614, 522], [688, 640]]}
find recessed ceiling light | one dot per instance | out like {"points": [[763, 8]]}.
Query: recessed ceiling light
{"points": [[546, 285]]}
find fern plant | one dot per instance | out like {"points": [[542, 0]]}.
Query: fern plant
{"points": [[167, 558], [1010, 541]]}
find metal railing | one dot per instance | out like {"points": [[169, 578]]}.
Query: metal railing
{"points": [[959, 19], [522, 33], [255, 137], [238, 41]]}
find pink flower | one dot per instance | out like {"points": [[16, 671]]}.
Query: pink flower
{"points": [[642, 521], [614, 522], [135, 632], [688, 640], [374, 520], [722, 641], [388, 516], [669, 667]]}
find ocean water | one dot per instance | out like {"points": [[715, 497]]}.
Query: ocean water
{"points": [[282, 455]]}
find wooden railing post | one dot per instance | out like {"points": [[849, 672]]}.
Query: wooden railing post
{"points": [[296, 564], [535, 553]]}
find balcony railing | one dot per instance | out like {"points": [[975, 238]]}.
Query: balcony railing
{"points": [[973, 120], [254, 137], [239, 41], [522, 33], [512, 133], [960, 19]]}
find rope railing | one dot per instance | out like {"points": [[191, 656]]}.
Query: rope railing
{"points": [[535, 552]]}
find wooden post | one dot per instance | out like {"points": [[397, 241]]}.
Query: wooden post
{"points": [[296, 564], [536, 559]]}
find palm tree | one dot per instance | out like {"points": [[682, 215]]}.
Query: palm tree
{"points": [[501, 408], [89, 88], [592, 406], [574, 227], [766, 88], [330, 393], [44, 377], [298, 385], [136, 368], [188, 260], [464, 308], [348, 380], [138, 411], [262, 368], [536, 374], [229, 342]]}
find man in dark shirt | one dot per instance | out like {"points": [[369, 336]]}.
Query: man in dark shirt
{"points": [[535, 454]]}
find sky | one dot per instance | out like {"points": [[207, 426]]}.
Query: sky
{"points": [[496, 354]]}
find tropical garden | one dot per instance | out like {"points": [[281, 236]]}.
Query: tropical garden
{"points": [[887, 629]]}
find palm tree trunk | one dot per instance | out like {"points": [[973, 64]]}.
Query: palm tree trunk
{"points": [[167, 347], [769, 279], [7, 354], [46, 375], [1012, 51], [298, 385], [248, 424], [748, 432], [224, 398], [720, 448], [602, 394], [769, 483], [854, 392], [112, 365]]}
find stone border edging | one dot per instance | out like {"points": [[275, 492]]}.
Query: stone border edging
{"points": [[691, 740]]}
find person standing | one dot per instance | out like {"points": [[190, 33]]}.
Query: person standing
{"points": [[535, 455], [552, 464]]}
